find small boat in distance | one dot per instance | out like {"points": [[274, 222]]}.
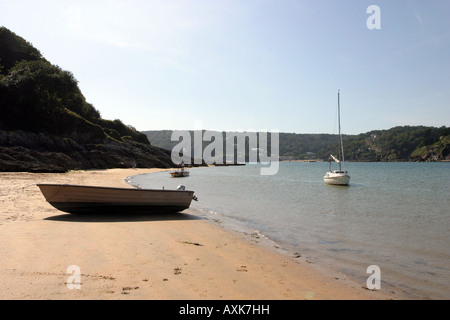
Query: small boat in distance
{"points": [[179, 173], [90, 199], [338, 177]]}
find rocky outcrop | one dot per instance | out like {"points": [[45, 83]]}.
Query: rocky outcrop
{"points": [[22, 151]]}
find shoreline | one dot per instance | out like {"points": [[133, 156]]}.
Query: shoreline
{"points": [[154, 256]]}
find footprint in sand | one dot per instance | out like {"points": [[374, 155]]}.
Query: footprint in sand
{"points": [[242, 269]]}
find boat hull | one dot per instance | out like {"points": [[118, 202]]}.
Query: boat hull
{"points": [[179, 174], [88, 207], [339, 179], [88, 199]]}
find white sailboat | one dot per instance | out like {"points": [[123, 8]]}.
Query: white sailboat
{"points": [[338, 177]]}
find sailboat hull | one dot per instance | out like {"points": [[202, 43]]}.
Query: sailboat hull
{"points": [[337, 178]]}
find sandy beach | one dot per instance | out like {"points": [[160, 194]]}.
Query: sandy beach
{"points": [[152, 256]]}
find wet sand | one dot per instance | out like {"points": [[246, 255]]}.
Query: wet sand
{"points": [[141, 256]]}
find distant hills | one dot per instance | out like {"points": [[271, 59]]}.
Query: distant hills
{"points": [[407, 143], [46, 124]]}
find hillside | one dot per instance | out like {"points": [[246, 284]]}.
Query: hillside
{"points": [[46, 124], [408, 143]]}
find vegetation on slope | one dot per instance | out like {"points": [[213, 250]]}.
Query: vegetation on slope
{"points": [[43, 110], [408, 143]]}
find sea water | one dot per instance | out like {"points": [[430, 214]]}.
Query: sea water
{"points": [[392, 215]]}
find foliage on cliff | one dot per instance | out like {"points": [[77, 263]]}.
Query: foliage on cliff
{"points": [[39, 99]]}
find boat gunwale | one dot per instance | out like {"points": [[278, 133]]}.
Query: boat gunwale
{"points": [[336, 176], [109, 188]]}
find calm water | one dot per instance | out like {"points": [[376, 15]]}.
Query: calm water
{"points": [[394, 215]]}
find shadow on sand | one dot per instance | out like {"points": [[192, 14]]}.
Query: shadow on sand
{"points": [[101, 217]]}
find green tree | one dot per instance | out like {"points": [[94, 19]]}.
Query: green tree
{"points": [[14, 49]]}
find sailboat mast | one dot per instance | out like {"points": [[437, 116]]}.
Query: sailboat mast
{"points": [[341, 151]]}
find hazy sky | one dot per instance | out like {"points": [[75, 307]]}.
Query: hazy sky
{"points": [[249, 64]]}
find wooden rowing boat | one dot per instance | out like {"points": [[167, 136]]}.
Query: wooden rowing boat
{"points": [[86, 199]]}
